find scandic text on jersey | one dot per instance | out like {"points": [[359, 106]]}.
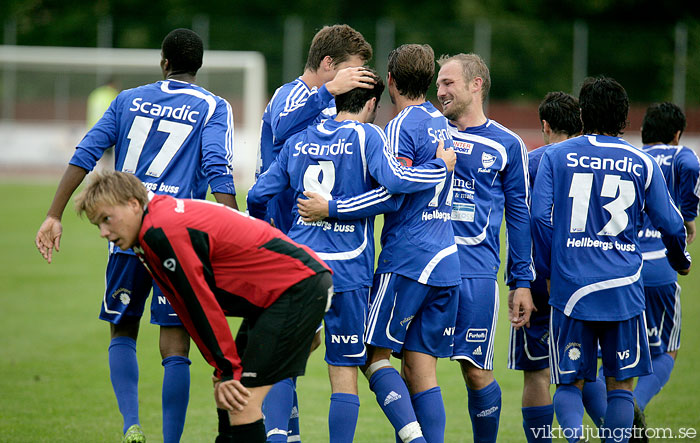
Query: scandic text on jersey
{"points": [[624, 164], [181, 113]]}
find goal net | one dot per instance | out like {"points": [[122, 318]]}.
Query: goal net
{"points": [[44, 90]]}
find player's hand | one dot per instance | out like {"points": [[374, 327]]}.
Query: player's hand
{"points": [[231, 395], [350, 78], [689, 232], [684, 271], [447, 155], [520, 307], [312, 208], [48, 237]]}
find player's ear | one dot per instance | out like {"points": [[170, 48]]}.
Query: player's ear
{"points": [[545, 127], [134, 204], [164, 66], [327, 63], [477, 84]]}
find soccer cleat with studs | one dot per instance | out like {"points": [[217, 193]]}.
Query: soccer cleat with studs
{"points": [[134, 435]]}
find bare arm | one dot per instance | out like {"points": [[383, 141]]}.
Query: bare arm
{"points": [[48, 237], [226, 199]]}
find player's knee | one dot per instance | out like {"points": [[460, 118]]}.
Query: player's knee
{"points": [[477, 378], [673, 354], [613, 385], [537, 378], [174, 341], [124, 329]]}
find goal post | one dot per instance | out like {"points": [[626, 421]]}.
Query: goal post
{"points": [[49, 85]]}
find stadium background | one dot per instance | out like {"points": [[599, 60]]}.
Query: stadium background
{"points": [[54, 383]]}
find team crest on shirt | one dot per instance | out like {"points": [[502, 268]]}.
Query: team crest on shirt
{"points": [[169, 264], [487, 160], [123, 294]]}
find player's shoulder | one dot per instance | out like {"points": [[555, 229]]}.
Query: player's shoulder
{"points": [[537, 153], [502, 134], [688, 157], [296, 87]]}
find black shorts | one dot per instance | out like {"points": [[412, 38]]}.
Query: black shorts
{"points": [[276, 344]]}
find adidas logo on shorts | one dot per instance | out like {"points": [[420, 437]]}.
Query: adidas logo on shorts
{"points": [[294, 413], [477, 351], [393, 396]]}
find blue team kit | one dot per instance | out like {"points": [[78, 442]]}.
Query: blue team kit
{"points": [[600, 186], [341, 160], [177, 138]]}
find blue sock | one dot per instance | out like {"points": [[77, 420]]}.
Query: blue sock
{"points": [[650, 385], [430, 411], [293, 426], [342, 417], [176, 396], [537, 423], [620, 414], [394, 399], [124, 373], [595, 398], [568, 405], [485, 412], [277, 408]]}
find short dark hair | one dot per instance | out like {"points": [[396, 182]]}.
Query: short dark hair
{"points": [[354, 100], [184, 49], [604, 106], [661, 122], [562, 112], [339, 42], [412, 67]]}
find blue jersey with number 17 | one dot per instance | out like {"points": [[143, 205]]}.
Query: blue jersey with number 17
{"points": [[587, 206], [176, 137]]}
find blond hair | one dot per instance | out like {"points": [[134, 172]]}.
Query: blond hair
{"points": [[473, 66], [111, 188]]}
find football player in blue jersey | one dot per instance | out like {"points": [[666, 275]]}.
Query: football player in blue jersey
{"points": [[333, 66], [587, 208], [661, 131], [338, 159], [560, 117], [491, 180], [414, 293], [177, 138]]}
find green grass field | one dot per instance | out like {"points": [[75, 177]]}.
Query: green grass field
{"points": [[54, 379]]}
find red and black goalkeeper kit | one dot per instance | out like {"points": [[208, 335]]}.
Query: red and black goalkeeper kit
{"points": [[211, 262]]}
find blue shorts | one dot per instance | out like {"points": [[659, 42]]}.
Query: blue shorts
{"points": [[345, 327], [475, 331], [663, 313], [405, 314], [128, 285], [529, 347], [573, 348]]}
